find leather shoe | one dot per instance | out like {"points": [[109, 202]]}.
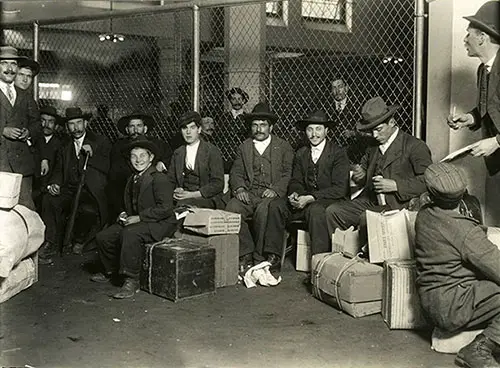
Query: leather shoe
{"points": [[478, 354], [246, 262], [100, 278], [274, 260], [128, 290], [77, 248], [47, 250]]}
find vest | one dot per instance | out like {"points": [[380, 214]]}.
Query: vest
{"points": [[191, 180], [312, 175], [261, 171], [74, 170], [134, 195]]}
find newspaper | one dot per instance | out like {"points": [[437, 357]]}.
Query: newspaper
{"points": [[459, 153]]}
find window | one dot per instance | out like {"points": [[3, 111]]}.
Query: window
{"points": [[333, 15], [277, 13]]}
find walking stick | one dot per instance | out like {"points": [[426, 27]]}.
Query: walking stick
{"points": [[74, 207]]}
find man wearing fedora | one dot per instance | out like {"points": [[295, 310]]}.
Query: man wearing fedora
{"points": [[483, 41], [46, 148], [66, 177], [27, 70], [132, 127], [147, 217], [320, 176], [196, 169], [458, 268], [391, 173], [260, 174], [18, 125]]}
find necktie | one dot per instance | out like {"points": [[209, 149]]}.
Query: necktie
{"points": [[10, 94], [78, 148], [483, 90], [315, 155]]}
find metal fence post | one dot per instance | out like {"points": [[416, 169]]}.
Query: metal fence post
{"points": [[36, 52], [419, 67], [196, 58]]}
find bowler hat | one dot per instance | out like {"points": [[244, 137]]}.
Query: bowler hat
{"points": [[25, 62], [9, 52], [316, 117], [189, 117], [445, 182], [374, 112], [76, 113], [123, 121], [487, 19], [142, 142], [237, 90], [261, 111], [50, 110]]}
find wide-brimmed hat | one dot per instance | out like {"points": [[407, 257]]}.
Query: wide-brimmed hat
{"points": [[9, 52], [374, 112], [316, 117], [25, 62], [445, 182], [261, 111], [123, 121], [76, 113], [187, 118], [487, 19], [50, 110], [142, 142], [239, 91]]}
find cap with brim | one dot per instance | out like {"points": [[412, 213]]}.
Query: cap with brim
{"points": [[29, 63], [261, 111], [50, 110], [142, 142], [445, 182], [76, 113], [374, 112], [125, 120], [317, 117], [9, 53], [487, 19], [187, 118]]}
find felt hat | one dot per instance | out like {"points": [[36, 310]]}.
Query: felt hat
{"points": [[316, 117], [187, 118], [237, 90], [76, 113], [123, 121], [142, 142], [487, 19], [50, 110], [29, 63], [261, 111], [9, 52], [374, 112], [445, 182]]}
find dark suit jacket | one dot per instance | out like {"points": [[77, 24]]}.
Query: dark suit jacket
{"points": [[16, 155], [493, 108], [281, 166], [406, 160], [97, 168], [48, 151], [155, 201], [208, 164], [333, 173]]}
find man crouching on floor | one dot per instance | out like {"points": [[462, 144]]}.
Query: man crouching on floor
{"points": [[458, 268], [148, 217]]}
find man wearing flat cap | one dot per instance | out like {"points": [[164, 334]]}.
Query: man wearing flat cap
{"points": [[66, 178], [320, 176], [196, 169], [18, 125], [147, 217], [132, 127], [458, 268], [391, 173], [483, 41], [27, 70], [260, 174]]}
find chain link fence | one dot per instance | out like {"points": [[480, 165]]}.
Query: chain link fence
{"points": [[287, 53]]}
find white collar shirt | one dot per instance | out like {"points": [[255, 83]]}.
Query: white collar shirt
{"points": [[5, 87], [191, 151], [48, 138], [261, 146], [236, 113], [316, 151], [384, 147], [489, 63], [340, 105], [78, 143]]}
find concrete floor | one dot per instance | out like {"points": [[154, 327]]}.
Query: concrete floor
{"points": [[67, 321]]}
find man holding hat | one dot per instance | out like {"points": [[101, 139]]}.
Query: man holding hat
{"points": [[133, 126], [458, 268], [66, 177], [18, 125], [483, 41], [260, 174], [391, 173], [27, 70], [320, 176], [148, 217], [196, 170]]}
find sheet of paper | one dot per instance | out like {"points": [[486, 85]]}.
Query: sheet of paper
{"points": [[458, 153]]}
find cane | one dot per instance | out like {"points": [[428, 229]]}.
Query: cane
{"points": [[74, 208]]}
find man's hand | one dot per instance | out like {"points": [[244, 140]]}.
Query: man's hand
{"points": [[24, 134], [293, 197], [87, 148], [458, 121], [13, 133], [485, 147], [382, 185], [358, 173], [44, 167], [122, 217], [302, 201], [54, 189], [242, 195], [269, 193], [131, 220], [160, 166], [183, 194]]}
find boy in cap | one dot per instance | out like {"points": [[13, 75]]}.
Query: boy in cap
{"points": [[320, 176], [148, 217], [458, 268], [196, 169]]}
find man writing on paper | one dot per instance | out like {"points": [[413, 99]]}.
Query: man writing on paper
{"points": [[458, 268], [483, 41]]}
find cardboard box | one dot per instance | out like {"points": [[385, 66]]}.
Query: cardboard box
{"points": [[227, 249], [212, 222], [346, 242], [178, 269], [357, 283], [303, 261], [401, 303], [10, 187]]}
